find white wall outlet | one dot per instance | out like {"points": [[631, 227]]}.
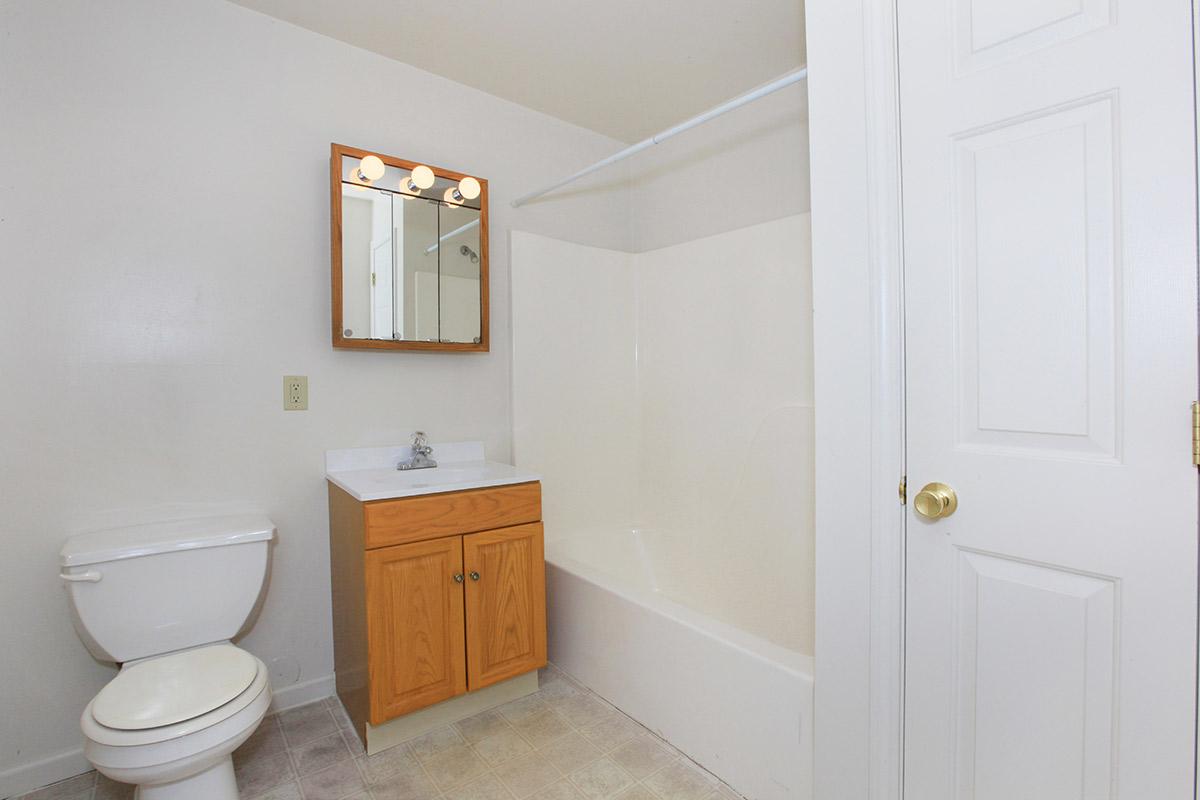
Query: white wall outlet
{"points": [[295, 393]]}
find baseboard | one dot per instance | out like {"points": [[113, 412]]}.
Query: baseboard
{"points": [[69, 763], [300, 693], [27, 777]]}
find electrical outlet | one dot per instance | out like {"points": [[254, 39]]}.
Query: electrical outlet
{"points": [[295, 393]]}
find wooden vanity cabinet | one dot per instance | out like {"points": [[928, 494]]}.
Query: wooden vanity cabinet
{"points": [[434, 596]]}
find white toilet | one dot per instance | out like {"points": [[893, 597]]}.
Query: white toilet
{"points": [[164, 601]]}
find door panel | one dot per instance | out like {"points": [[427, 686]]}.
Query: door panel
{"points": [[1033, 215], [1048, 172], [1035, 677], [506, 605], [415, 626], [990, 31]]}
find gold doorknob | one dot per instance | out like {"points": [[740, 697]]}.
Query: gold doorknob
{"points": [[935, 500]]}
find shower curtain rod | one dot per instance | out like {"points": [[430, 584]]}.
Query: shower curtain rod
{"points": [[737, 102], [446, 236]]}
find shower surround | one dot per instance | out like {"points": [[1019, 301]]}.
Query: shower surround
{"points": [[666, 398]]}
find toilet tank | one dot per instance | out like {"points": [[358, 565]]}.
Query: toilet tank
{"points": [[149, 589]]}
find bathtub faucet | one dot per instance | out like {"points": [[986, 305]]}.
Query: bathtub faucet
{"points": [[420, 454]]}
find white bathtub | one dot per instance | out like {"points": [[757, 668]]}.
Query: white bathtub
{"points": [[708, 657]]}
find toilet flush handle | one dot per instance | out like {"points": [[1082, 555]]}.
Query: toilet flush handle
{"points": [[91, 576]]}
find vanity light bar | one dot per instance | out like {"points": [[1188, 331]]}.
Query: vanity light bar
{"points": [[372, 168]]}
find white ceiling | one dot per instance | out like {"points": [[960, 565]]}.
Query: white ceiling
{"points": [[625, 68]]}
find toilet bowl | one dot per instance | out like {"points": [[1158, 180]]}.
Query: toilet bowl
{"points": [[164, 601], [168, 724]]}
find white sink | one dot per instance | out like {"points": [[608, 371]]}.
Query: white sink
{"points": [[445, 474], [371, 474]]}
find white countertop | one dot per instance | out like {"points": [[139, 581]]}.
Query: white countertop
{"points": [[371, 474]]}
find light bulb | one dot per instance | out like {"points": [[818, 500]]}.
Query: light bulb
{"points": [[452, 197], [468, 187], [371, 168], [423, 176]]}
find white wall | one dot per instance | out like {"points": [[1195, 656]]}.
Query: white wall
{"points": [[187, 144], [714, 423]]}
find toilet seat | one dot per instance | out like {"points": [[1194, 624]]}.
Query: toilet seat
{"points": [[173, 688], [238, 680]]}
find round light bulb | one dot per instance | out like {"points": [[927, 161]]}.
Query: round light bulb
{"points": [[372, 168], [423, 176], [450, 197], [468, 187]]}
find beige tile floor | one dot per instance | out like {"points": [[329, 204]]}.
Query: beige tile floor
{"points": [[562, 743]]}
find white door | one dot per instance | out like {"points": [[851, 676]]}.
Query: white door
{"points": [[1050, 284]]}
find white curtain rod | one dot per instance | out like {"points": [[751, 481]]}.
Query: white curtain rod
{"points": [[713, 113], [446, 236]]}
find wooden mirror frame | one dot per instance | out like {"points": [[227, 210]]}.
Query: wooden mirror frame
{"points": [[337, 152]]}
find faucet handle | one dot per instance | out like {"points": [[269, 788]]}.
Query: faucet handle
{"points": [[420, 444]]}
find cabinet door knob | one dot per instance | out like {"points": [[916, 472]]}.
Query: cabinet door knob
{"points": [[474, 575], [458, 577]]}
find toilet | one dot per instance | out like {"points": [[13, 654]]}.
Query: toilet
{"points": [[164, 601]]}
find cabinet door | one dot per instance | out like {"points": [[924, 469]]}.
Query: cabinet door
{"points": [[414, 626], [506, 603]]}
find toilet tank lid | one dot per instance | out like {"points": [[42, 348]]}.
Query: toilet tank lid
{"points": [[133, 541]]}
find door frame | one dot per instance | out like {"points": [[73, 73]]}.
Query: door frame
{"points": [[858, 276]]}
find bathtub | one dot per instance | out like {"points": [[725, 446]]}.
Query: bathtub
{"points": [[716, 660]]}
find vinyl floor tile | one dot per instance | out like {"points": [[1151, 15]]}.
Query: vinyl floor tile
{"points": [[561, 743]]}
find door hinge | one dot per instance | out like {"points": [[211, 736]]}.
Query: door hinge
{"points": [[902, 489], [1196, 433]]}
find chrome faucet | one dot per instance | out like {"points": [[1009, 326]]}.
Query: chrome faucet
{"points": [[420, 454]]}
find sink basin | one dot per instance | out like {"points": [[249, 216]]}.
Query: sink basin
{"points": [[383, 483], [438, 476]]}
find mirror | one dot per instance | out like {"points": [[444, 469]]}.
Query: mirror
{"points": [[409, 248]]}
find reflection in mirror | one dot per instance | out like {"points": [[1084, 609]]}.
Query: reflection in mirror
{"points": [[412, 266], [379, 231], [458, 275]]}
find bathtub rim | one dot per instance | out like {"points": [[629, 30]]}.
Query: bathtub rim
{"points": [[801, 665]]}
